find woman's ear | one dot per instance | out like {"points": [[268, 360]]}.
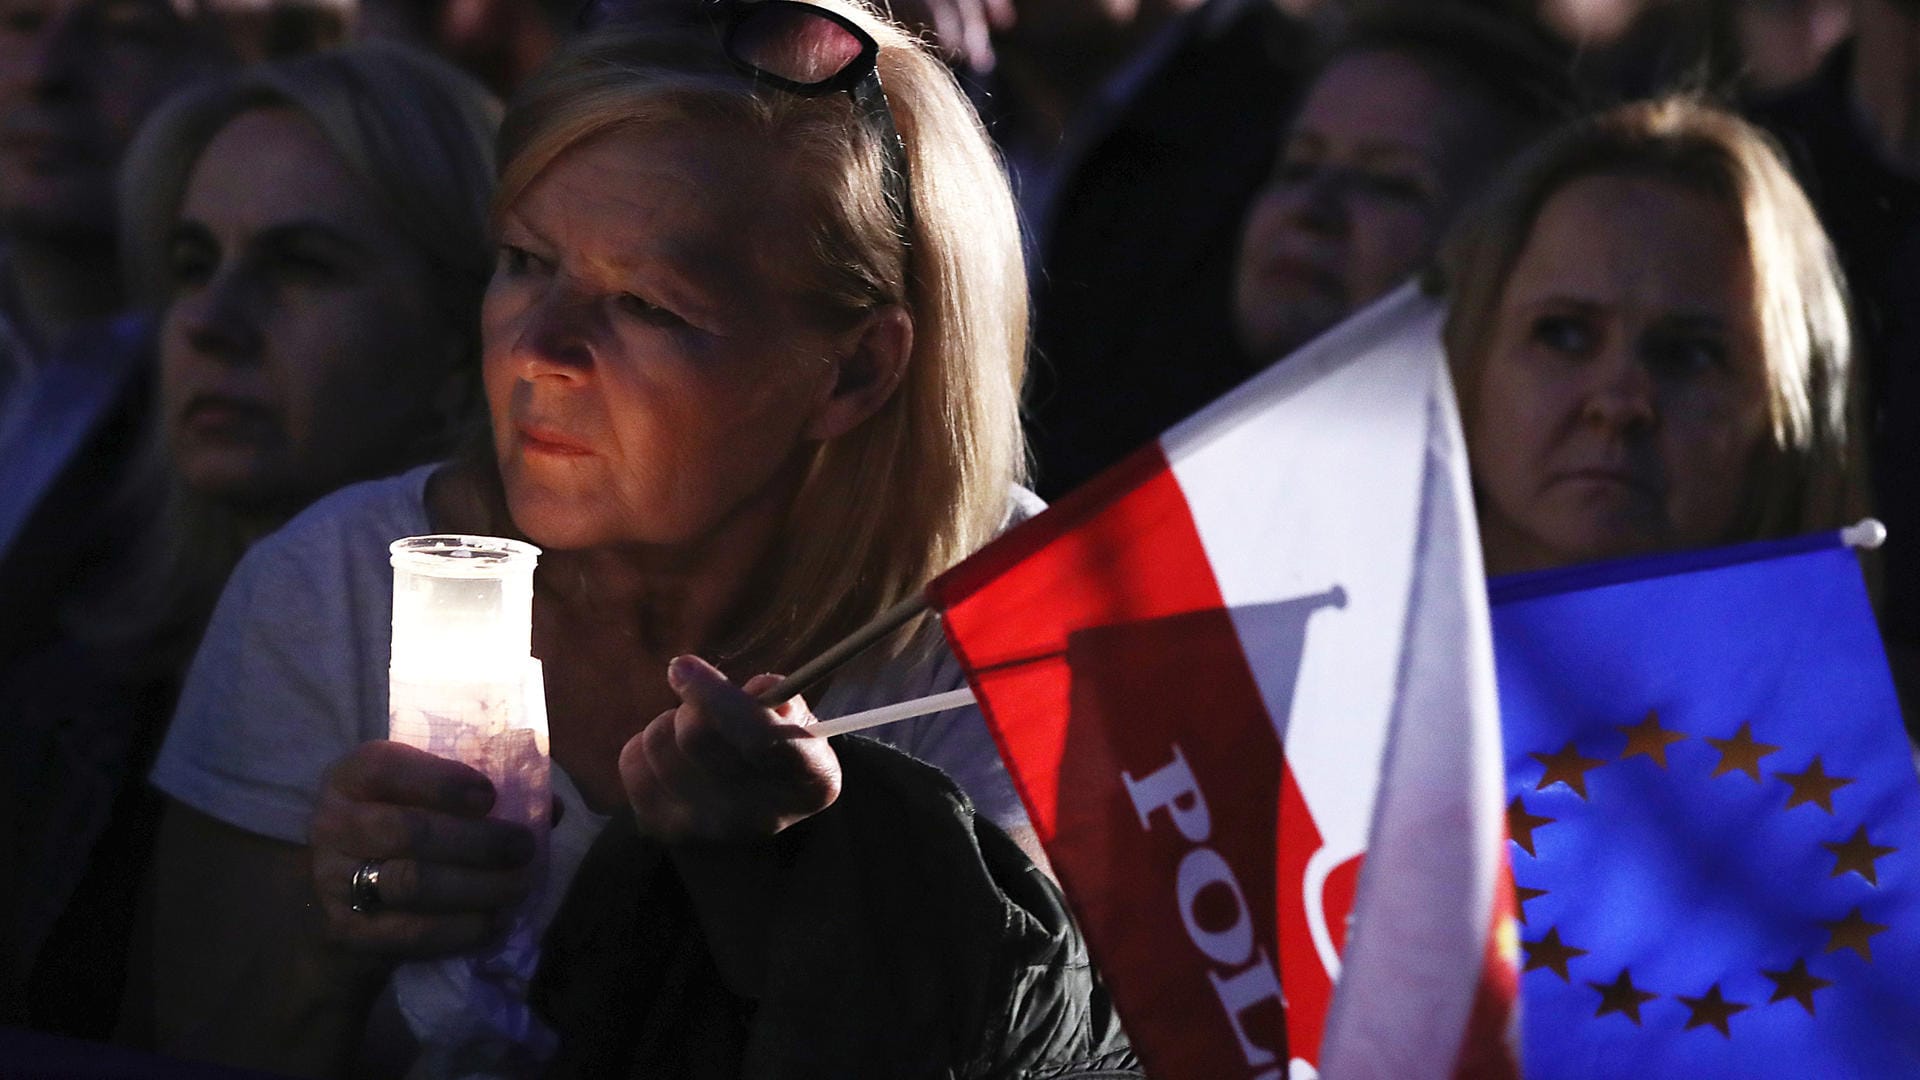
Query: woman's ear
{"points": [[867, 371]]}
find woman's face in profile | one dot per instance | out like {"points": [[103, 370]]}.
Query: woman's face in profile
{"points": [[653, 373], [300, 341], [1623, 399], [1355, 201]]}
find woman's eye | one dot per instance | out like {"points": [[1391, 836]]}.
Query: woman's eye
{"points": [[517, 260], [1294, 172], [1365, 183], [307, 268], [647, 311], [1686, 355], [1396, 186], [190, 266], [1563, 334]]}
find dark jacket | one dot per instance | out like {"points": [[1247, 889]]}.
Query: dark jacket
{"points": [[1133, 316], [914, 941], [80, 719]]}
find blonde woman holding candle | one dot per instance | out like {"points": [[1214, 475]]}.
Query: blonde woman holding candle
{"points": [[753, 348]]}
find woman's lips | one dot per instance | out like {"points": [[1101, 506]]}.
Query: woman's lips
{"points": [[1288, 272], [222, 416], [539, 440], [1601, 476]]}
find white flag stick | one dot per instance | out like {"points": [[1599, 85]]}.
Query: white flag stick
{"points": [[887, 714]]}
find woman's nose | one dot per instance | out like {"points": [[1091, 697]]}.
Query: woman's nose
{"points": [[222, 319], [554, 334], [1313, 202], [1621, 394]]}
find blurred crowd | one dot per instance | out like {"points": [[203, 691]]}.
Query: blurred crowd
{"points": [[540, 274]]}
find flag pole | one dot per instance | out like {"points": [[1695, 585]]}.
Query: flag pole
{"points": [[889, 714], [845, 649]]}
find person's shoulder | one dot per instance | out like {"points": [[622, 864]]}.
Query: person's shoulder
{"points": [[393, 502], [353, 524]]}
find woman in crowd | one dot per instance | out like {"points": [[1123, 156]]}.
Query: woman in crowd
{"points": [[312, 238], [315, 234], [1410, 113], [1650, 340], [752, 350]]}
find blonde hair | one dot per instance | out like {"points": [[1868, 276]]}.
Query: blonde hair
{"points": [[1810, 475], [926, 479]]}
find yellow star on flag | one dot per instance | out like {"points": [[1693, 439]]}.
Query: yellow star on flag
{"points": [[1621, 996], [1853, 932], [1741, 752], [1520, 825], [1551, 953], [1711, 1009], [1567, 767], [1649, 738], [1813, 786], [1857, 854], [1796, 983], [1521, 895]]}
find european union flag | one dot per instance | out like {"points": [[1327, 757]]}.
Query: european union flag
{"points": [[1715, 818]]}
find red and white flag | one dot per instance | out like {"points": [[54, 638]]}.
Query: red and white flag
{"points": [[1232, 668]]}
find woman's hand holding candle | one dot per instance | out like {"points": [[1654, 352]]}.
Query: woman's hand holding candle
{"points": [[449, 878], [722, 767]]}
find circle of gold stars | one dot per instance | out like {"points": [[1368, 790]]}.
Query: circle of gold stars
{"points": [[1740, 753]]}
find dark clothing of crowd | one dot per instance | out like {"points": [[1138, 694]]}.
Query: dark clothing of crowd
{"points": [[84, 716], [1871, 211], [1133, 277], [901, 988]]}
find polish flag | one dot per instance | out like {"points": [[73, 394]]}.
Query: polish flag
{"points": [[1244, 683]]}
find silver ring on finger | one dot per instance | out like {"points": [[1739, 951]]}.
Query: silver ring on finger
{"points": [[363, 891]]}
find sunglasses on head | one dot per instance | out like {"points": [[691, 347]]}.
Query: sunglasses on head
{"points": [[807, 50]]}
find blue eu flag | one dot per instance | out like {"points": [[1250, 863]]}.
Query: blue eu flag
{"points": [[1714, 818]]}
